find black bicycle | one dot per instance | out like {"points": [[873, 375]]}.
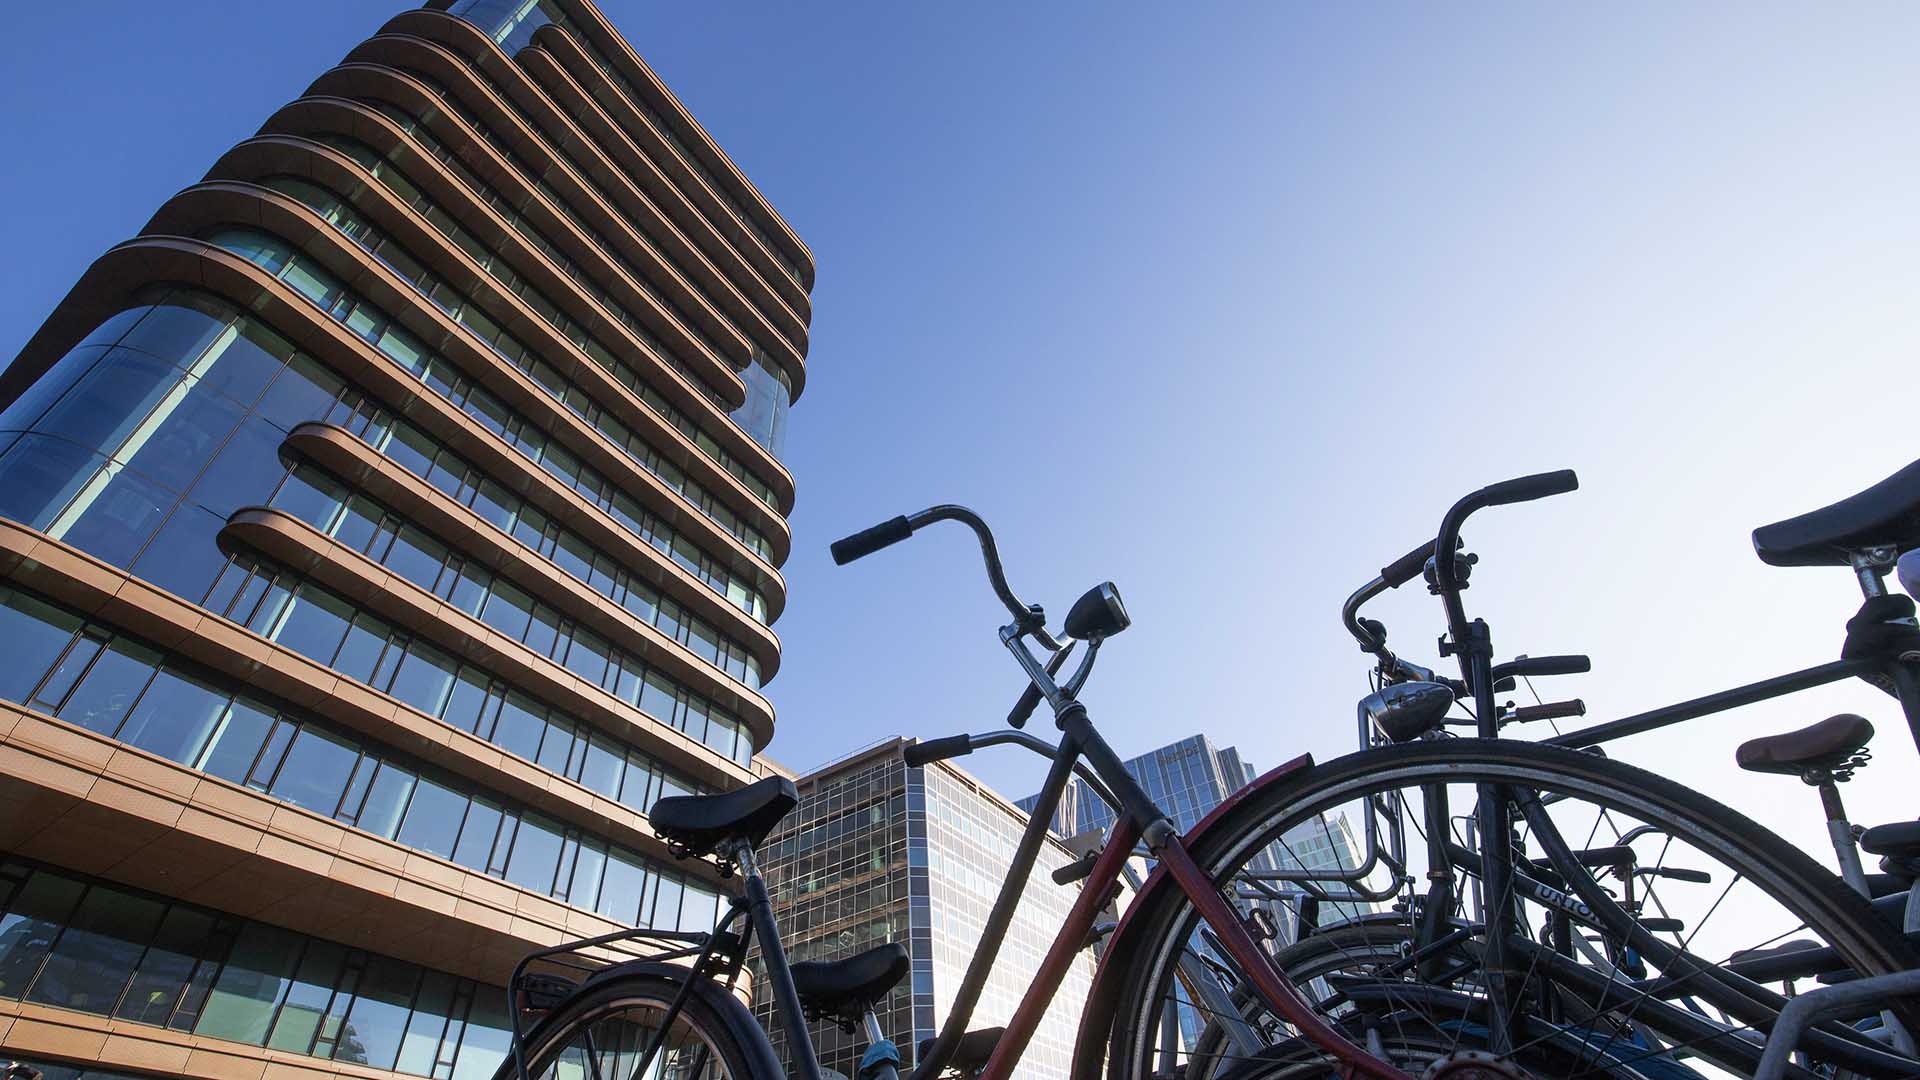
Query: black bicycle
{"points": [[1664, 933], [1521, 909]]}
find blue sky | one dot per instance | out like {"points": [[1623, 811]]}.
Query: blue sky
{"points": [[1227, 303]]}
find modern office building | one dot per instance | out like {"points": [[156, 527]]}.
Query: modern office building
{"points": [[879, 852], [1188, 779], [382, 531]]}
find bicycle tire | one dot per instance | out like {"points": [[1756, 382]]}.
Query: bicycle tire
{"points": [[711, 1015], [1155, 935]]}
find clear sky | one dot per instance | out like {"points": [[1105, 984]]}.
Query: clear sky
{"points": [[1227, 303]]}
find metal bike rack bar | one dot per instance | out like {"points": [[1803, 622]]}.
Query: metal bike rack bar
{"points": [[1809, 1008]]}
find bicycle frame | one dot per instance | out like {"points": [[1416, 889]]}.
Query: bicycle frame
{"points": [[1139, 820]]}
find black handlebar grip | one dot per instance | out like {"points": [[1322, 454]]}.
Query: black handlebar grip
{"points": [[868, 541], [1677, 873], [1528, 488], [1545, 665], [1552, 710], [952, 746], [1023, 709], [1406, 567]]}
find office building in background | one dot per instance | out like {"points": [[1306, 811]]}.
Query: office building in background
{"points": [[878, 852], [1188, 779], [382, 530]]}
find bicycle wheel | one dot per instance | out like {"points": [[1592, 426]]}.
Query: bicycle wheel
{"points": [[602, 1030], [1587, 993]]}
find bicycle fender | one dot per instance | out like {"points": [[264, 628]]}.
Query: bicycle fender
{"points": [[1090, 1048]]}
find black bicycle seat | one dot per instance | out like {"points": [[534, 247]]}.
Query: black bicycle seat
{"points": [[1885, 515], [701, 823], [843, 990], [974, 1049], [1825, 745], [1900, 840]]}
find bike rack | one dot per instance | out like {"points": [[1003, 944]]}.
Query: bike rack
{"points": [[682, 944], [1829, 1001]]}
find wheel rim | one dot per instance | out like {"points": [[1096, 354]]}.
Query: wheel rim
{"points": [[1740, 875]]}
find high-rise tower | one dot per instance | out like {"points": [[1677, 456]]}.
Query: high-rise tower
{"points": [[382, 530]]}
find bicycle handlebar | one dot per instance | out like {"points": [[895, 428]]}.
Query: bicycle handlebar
{"points": [[1506, 492], [867, 541], [887, 533], [1406, 567]]}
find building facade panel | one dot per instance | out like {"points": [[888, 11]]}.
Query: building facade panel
{"points": [[382, 532]]}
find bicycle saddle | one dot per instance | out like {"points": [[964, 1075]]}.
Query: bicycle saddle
{"points": [[1900, 840], [698, 824], [1886, 514], [974, 1049], [843, 990], [1829, 744]]}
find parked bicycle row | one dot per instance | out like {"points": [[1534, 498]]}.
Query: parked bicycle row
{"points": [[1522, 907]]}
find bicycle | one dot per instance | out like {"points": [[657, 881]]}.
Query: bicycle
{"points": [[1412, 705], [1192, 923]]}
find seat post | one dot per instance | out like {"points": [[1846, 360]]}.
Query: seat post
{"points": [[806, 1064], [1839, 829], [1870, 567]]}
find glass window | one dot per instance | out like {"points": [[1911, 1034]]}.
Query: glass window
{"points": [[416, 557], [314, 624], [479, 834], [236, 742], [668, 895], [241, 364], [508, 610], [556, 749], [466, 706], [386, 800], [425, 678], [35, 633], [113, 515], [588, 866], [95, 956], [251, 985], [47, 389], [183, 939], [521, 726], [245, 470], [487, 1039], [174, 717], [433, 818], [29, 927], [107, 404], [316, 771], [108, 691], [180, 328], [301, 393], [427, 1024], [180, 437], [698, 908], [371, 1034], [361, 652], [39, 476], [185, 557], [601, 772], [307, 997], [536, 854]]}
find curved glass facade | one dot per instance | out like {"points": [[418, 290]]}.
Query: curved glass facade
{"points": [[139, 458], [342, 215], [379, 329], [389, 639], [764, 403]]}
